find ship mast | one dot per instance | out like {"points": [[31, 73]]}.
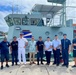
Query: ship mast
{"points": [[13, 7]]}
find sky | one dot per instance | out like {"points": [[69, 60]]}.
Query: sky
{"points": [[21, 6]]}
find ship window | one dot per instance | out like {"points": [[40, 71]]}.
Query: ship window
{"points": [[9, 21], [17, 21], [24, 21], [34, 21]]}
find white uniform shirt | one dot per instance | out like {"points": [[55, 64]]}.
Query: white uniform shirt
{"points": [[56, 43], [47, 45], [21, 42]]}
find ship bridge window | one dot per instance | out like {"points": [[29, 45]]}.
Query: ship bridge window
{"points": [[17, 21], [9, 21], [24, 21], [34, 21]]}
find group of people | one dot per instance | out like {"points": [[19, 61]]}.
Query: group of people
{"points": [[18, 50]]}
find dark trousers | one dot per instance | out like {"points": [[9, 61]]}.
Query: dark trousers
{"points": [[56, 54], [48, 56], [4, 56], [65, 56], [14, 56], [40, 56]]}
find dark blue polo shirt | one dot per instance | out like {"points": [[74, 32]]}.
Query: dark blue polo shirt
{"points": [[65, 43], [4, 47], [74, 42], [40, 45], [14, 45]]}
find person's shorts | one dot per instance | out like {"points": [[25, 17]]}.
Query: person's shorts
{"points": [[4, 56], [74, 53]]}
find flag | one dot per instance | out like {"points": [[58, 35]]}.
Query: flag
{"points": [[27, 33]]}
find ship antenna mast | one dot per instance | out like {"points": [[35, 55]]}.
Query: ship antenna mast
{"points": [[13, 7]]}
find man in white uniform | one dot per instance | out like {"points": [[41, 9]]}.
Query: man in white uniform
{"points": [[56, 50], [22, 43]]}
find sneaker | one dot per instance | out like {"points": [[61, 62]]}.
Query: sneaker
{"points": [[1, 67], [7, 65], [73, 66]]}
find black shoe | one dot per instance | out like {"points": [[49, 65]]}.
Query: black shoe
{"points": [[7, 65], [47, 63], [73, 66], [1, 67], [67, 66], [57, 64], [16, 64], [63, 65], [42, 63], [37, 63]]}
